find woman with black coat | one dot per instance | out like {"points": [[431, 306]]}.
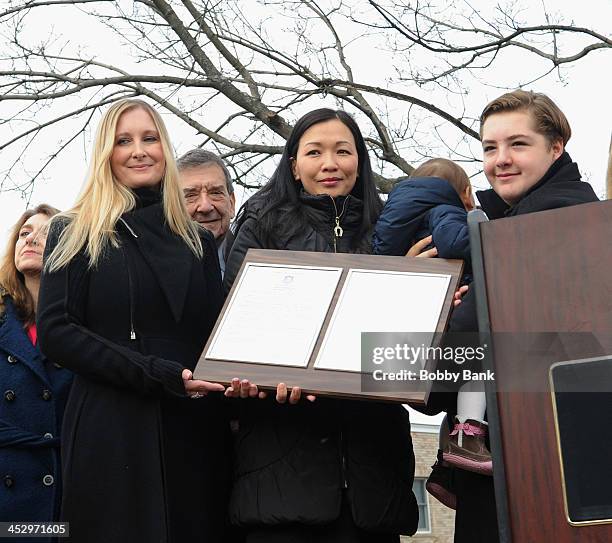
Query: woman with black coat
{"points": [[130, 292], [324, 470]]}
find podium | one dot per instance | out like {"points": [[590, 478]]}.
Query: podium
{"points": [[544, 297]]}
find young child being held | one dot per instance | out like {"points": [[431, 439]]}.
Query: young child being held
{"points": [[434, 201]]}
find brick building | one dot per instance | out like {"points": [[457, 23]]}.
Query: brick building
{"points": [[436, 522]]}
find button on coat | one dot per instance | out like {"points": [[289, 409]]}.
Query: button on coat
{"points": [[28, 423]]}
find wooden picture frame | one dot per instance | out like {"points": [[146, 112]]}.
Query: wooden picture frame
{"points": [[327, 382]]}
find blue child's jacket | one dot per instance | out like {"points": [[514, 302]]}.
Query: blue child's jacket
{"points": [[418, 207]]}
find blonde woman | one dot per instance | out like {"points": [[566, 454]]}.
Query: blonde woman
{"points": [[34, 391], [130, 292]]}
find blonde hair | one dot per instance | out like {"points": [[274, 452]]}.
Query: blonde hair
{"points": [[92, 220], [12, 281], [444, 169], [548, 119]]}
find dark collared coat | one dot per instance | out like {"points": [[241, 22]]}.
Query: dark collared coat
{"points": [[142, 462], [33, 396]]}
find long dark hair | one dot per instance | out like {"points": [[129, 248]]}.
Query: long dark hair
{"points": [[280, 213]]}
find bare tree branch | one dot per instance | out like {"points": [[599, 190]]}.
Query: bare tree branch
{"points": [[239, 74], [43, 3], [498, 41]]}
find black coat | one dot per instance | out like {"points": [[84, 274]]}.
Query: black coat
{"points": [[294, 463], [33, 396], [317, 235], [475, 521], [142, 462], [560, 187]]}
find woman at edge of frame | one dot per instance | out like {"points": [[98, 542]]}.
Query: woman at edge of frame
{"points": [[130, 292], [324, 470], [34, 390]]}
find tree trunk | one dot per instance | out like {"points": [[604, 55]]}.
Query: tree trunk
{"points": [[609, 174]]}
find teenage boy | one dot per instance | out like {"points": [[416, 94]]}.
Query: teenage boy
{"points": [[523, 135]]}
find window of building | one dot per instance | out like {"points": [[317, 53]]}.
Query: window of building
{"points": [[418, 488]]}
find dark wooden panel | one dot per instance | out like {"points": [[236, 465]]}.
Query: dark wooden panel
{"points": [[545, 273]]}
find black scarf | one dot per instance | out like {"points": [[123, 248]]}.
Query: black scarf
{"points": [[167, 254], [560, 186]]}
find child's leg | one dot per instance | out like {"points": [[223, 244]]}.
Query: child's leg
{"points": [[466, 448], [471, 402]]}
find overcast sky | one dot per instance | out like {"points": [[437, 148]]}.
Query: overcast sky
{"points": [[583, 95]]}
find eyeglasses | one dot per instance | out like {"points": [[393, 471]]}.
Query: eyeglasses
{"points": [[216, 194]]}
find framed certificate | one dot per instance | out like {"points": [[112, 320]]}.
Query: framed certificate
{"points": [[292, 299], [298, 318]]}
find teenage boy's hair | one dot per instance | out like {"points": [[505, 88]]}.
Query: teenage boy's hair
{"points": [[548, 119], [444, 169]]}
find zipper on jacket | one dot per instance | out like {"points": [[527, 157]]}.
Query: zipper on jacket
{"points": [[343, 463], [128, 227], [129, 278], [338, 231]]}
